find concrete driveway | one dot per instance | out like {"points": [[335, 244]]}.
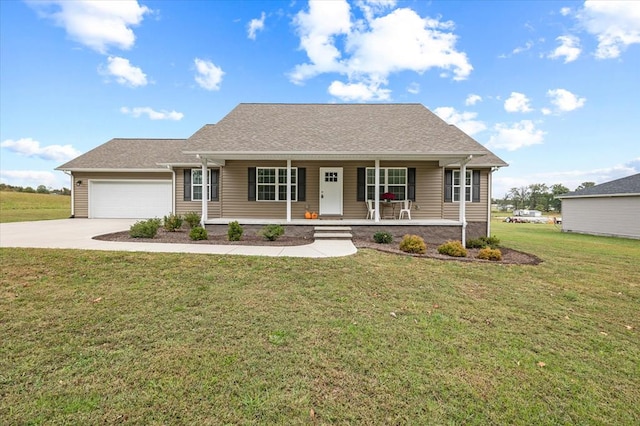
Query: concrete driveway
{"points": [[78, 234]]}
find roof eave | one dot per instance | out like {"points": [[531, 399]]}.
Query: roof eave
{"points": [[111, 170], [623, 194]]}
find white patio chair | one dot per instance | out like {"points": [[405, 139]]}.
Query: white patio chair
{"points": [[371, 212], [406, 208]]}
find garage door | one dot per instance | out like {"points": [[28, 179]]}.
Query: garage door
{"points": [[129, 199]]}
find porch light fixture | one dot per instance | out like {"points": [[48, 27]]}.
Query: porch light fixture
{"points": [[78, 182]]}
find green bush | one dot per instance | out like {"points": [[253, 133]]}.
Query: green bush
{"points": [[453, 248], [198, 233], [172, 223], [192, 219], [144, 228], [413, 244], [235, 231], [382, 237], [272, 232], [483, 242], [488, 253]]}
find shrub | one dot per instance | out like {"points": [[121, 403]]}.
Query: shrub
{"points": [[192, 219], [172, 222], [413, 244], [382, 237], [198, 233], [483, 242], [453, 248], [235, 231], [488, 253], [144, 228], [272, 232]]}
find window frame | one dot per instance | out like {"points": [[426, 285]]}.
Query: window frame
{"points": [[201, 185], [455, 187], [278, 185], [384, 182]]}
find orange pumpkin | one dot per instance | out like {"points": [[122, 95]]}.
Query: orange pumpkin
{"points": [[307, 215], [314, 215]]}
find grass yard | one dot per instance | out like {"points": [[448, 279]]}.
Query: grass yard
{"points": [[135, 338], [24, 206]]}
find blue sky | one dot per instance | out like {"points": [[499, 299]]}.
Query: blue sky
{"points": [[552, 88]]}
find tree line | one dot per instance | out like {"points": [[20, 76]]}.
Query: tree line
{"points": [[41, 189], [537, 196]]}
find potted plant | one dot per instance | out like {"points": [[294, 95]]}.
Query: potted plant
{"points": [[388, 196]]}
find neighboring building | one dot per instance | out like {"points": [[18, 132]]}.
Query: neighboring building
{"points": [[329, 157], [611, 208]]}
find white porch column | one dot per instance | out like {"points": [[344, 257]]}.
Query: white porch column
{"points": [[205, 192], [490, 192], [463, 198], [377, 191], [288, 191]]}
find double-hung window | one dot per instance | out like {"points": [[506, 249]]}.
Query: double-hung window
{"points": [[197, 186], [271, 183], [392, 179], [457, 184]]}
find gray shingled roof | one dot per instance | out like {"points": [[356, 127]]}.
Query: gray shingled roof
{"points": [[127, 154], [629, 185], [333, 129]]}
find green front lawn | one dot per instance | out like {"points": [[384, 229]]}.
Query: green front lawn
{"points": [[136, 338], [23, 206]]}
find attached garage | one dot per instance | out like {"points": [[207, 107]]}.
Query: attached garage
{"points": [[130, 199]]}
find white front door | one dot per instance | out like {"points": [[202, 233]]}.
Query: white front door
{"points": [[331, 190]]}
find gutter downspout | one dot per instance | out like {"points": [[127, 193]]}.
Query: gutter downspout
{"points": [[376, 191], [490, 192], [463, 199], [288, 191]]}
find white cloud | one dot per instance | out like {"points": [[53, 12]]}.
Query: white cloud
{"points": [[527, 46], [359, 92], [368, 50], [209, 76], [34, 178], [517, 102], [414, 88], [124, 73], [569, 49], [464, 120], [516, 136], [472, 99], [616, 25], [31, 148], [255, 25], [564, 100], [152, 114], [95, 24], [565, 11]]}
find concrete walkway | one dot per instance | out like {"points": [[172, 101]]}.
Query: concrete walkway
{"points": [[78, 234]]}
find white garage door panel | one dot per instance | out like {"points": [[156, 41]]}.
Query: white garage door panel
{"points": [[129, 200]]}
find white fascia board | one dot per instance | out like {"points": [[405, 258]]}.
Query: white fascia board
{"points": [[567, 197], [347, 155], [111, 170]]}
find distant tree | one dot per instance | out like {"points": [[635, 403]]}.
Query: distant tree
{"points": [[41, 189], [557, 189], [519, 196], [539, 196], [29, 190], [585, 185]]}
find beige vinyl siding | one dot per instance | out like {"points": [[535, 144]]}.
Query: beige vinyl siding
{"points": [[182, 206], [602, 216], [474, 212], [81, 193], [234, 190]]}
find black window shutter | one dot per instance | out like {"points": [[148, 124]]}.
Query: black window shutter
{"points": [[448, 186], [302, 184], [215, 179], [411, 183], [252, 184], [475, 190], [362, 183], [187, 184]]}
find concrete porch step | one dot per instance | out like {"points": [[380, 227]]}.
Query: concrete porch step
{"points": [[332, 233]]}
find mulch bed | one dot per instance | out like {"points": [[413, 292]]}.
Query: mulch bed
{"points": [[509, 256]]}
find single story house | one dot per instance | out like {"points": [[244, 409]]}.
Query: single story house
{"points": [[272, 163], [610, 208]]}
